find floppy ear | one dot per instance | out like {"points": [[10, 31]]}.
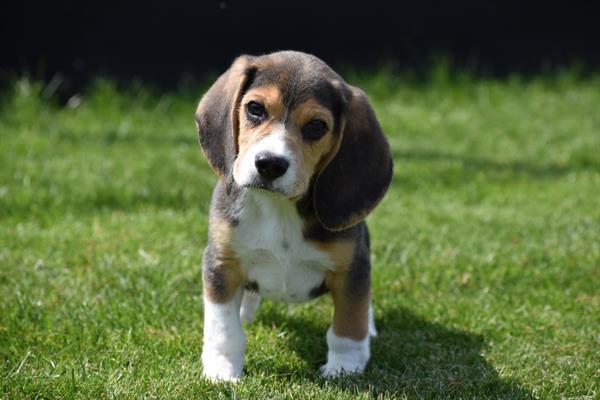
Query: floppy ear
{"points": [[217, 115], [358, 175]]}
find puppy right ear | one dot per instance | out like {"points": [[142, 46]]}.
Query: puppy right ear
{"points": [[217, 115]]}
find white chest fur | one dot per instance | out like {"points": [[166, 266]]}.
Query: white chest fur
{"points": [[270, 245]]}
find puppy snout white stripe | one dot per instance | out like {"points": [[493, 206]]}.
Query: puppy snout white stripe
{"points": [[277, 145]]}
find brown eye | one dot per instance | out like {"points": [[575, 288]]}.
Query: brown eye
{"points": [[256, 112], [314, 130]]}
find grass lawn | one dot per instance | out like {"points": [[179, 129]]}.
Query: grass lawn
{"points": [[486, 249]]}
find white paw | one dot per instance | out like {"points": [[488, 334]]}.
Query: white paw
{"points": [[337, 367], [345, 356], [220, 367]]}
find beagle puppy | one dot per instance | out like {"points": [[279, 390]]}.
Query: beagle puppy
{"points": [[301, 161]]}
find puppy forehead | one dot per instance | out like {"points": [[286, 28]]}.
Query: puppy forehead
{"points": [[295, 85]]}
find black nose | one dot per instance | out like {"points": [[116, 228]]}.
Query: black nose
{"points": [[269, 166]]}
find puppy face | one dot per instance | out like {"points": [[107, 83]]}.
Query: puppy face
{"points": [[287, 123], [285, 134]]}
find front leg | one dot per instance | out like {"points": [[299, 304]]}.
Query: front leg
{"points": [[224, 339], [349, 334]]}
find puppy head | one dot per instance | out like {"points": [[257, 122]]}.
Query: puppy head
{"points": [[287, 123]]}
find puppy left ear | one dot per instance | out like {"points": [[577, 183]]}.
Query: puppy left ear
{"points": [[217, 115], [359, 174]]}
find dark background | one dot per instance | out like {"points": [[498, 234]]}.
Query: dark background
{"points": [[163, 41]]}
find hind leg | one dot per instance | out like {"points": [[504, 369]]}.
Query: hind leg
{"points": [[250, 303]]}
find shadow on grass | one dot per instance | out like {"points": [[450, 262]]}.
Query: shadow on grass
{"points": [[411, 357]]}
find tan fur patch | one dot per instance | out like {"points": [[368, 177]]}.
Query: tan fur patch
{"points": [[225, 276], [233, 278], [350, 315], [340, 252], [220, 232]]}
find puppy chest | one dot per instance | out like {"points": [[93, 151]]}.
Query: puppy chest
{"points": [[277, 279], [277, 260]]}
